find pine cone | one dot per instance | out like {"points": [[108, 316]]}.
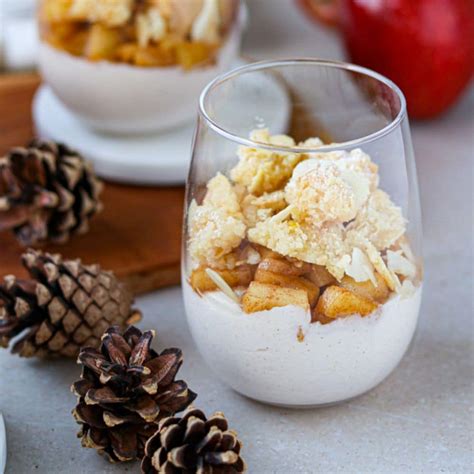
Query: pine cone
{"points": [[193, 444], [47, 193], [124, 390], [64, 306]]}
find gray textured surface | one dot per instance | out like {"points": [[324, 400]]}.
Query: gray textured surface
{"points": [[419, 420]]}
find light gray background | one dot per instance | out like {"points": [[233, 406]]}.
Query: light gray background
{"points": [[419, 420]]}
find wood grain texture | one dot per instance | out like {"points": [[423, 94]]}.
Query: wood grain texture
{"points": [[138, 235]]}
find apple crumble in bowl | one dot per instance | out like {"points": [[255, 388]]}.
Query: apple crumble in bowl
{"points": [[135, 65]]}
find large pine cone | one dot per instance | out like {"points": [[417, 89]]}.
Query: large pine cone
{"points": [[47, 193], [193, 444], [64, 306], [125, 389]]}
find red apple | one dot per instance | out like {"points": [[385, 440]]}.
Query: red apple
{"points": [[425, 46]]}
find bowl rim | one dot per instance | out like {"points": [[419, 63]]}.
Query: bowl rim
{"points": [[271, 64]]}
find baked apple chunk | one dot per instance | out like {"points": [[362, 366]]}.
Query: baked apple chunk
{"points": [[337, 302], [238, 277], [264, 296], [289, 281]]}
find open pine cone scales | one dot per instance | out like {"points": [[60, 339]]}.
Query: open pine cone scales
{"points": [[47, 193], [125, 389], [65, 305], [193, 444]]}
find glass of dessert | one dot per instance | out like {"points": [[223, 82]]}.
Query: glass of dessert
{"points": [[302, 271], [128, 66]]}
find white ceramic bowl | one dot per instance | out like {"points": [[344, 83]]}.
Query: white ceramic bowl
{"points": [[120, 98]]}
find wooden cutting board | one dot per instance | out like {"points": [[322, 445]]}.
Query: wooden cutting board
{"points": [[138, 235]]}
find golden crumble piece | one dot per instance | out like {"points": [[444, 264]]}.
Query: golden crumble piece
{"points": [[110, 13], [324, 246], [322, 192], [260, 208], [379, 221], [378, 292], [263, 296], [337, 302], [264, 171], [360, 162], [355, 160], [216, 227], [238, 277]]}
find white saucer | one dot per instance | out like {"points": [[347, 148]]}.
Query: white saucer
{"points": [[149, 159], [161, 158]]}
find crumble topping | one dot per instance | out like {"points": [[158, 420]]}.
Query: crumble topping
{"points": [[324, 246], [110, 13], [323, 209], [261, 208], [321, 191], [264, 171], [379, 221], [217, 226]]}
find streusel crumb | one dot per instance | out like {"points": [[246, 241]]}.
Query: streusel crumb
{"points": [[264, 171], [260, 208], [217, 226], [324, 246], [321, 192], [379, 221], [110, 13]]}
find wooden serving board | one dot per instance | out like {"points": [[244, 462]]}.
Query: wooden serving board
{"points": [[138, 235]]}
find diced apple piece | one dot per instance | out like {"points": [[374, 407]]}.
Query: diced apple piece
{"points": [[337, 302], [289, 281], [262, 296], [265, 252], [320, 276], [320, 317], [283, 266], [101, 43], [240, 276], [367, 289]]}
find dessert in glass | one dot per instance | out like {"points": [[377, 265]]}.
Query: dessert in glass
{"points": [[133, 65], [302, 272]]}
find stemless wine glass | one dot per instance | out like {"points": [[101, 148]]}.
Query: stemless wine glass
{"points": [[302, 270]]}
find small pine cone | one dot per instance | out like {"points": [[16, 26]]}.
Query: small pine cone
{"points": [[193, 444], [64, 306], [124, 390], [47, 193]]}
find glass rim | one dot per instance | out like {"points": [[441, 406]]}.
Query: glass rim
{"points": [[269, 64]]}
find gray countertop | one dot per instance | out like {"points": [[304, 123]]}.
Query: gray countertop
{"points": [[419, 420]]}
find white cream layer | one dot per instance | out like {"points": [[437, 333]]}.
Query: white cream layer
{"points": [[260, 356]]}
